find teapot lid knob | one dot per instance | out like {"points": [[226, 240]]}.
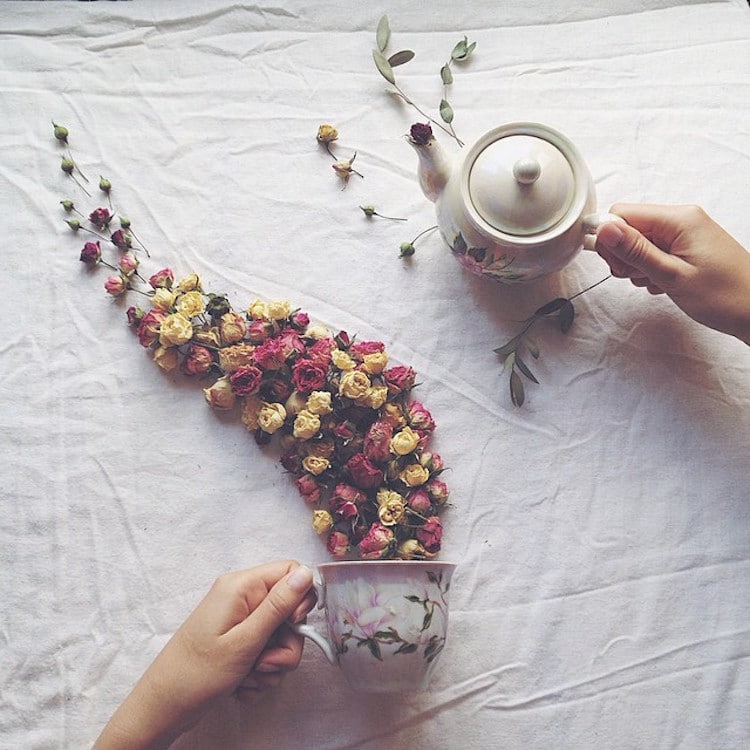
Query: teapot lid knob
{"points": [[527, 171]]}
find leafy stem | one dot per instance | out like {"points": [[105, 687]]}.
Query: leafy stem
{"points": [[512, 352]]}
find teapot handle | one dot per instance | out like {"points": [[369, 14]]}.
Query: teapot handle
{"points": [[591, 224]]}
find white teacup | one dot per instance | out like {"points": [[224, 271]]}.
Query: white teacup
{"points": [[387, 621]]}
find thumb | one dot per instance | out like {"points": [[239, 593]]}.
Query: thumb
{"points": [[278, 606], [628, 245]]}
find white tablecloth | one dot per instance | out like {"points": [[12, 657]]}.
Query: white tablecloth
{"points": [[602, 530]]}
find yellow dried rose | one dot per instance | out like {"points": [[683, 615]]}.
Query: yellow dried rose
{"points": [[342, 360], [319, 402], [231, 358], [190, 283], [410, 549], [220, 395], [175, 330], [207, 336], [232, 327], [295, 403], [391, 507], [163, 299], [414, 475], [166, 357], [322, 521], [404, 441], [318, 332], [394, 415], [190, 304], [375, 362], [271, 417], [327, 134], [316, 465], [250, 408], [377, 396], [279, 310], [258, 310], [306, 425], [354, 384], [323, 448]]}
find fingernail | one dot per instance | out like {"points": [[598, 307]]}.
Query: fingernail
{"points": [[610, 236], [300, 579]]}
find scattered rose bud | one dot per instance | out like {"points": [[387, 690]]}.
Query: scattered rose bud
{"points": [[162, 279], [74, 224], [105, 185], [67, 205], [370, 211], [116, 285], [100, 217], [344, 169], [128, 264], [135, 316], [327, 134], [61, 132], [91, 253], [407, 250], [420, 133], [120, 239], [67, 165], [124, 223]]}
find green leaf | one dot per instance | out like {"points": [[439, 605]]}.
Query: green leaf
{"points": [[459, 244], [459, 51], [446, 74], [517, 394], [399, 58], [566, 315], [521, 365], [427, 620], [446, 111], [551, 307], [383, 34], [511, 346], [373, 645], [413, 599], [383, 66], [470, 49]]}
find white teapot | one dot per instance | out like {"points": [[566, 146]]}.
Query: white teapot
{"points": [[515, 206]]}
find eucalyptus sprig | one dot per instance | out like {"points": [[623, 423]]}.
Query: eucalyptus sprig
{"points": [[385, 65], [561, 309]]}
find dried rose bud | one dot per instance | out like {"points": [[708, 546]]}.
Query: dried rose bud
{"points": [[74, 224], [67, 165], [105, 185], [124, 223], [162, 279], [420, 133], [100, 217], [135, 316], [120, 239], [217, 306], [407, 250], [61, 132], [128, 264], [67, 205], [91, 253], [369, 210], [116, 285], [327, 134]]}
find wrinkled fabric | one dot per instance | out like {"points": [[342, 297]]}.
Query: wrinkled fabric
{"points": [[602, 531]]}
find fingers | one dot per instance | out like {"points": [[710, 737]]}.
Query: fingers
{"points": [[282, 654], [662, 224], [630, 254], [284, 598]]}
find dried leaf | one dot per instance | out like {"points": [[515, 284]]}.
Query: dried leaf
{"points": [[399, 58], [531, 345], [551, 307], [383, 34], [470, 49], [383, 66], [521, 365], [517, 394], [511, 346], [446, 111], [566, 315], [446, 74], [406, 648]]}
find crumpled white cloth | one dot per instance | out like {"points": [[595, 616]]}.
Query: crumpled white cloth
{"points": [[602, 531]]}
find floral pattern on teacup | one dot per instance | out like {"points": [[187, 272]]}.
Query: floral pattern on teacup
{"points": [[382, 619]]}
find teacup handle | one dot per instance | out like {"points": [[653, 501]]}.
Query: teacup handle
{"points": [[308, 631], [591, 224]]}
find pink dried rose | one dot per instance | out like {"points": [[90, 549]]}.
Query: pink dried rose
{"points": [[150, 326], [377, 542], [419, 501], [308, 376], [162, 279], [377, 441], [128, 264], [345, 430], [345, 500], [419, 418], [246, 381], [259, 330], [116, 285], [91, 253], [359, 349], [399, 379], [431, 534], [100, 217], [363, 472], [300, 320], [431, 461], [135, 316], [309, 488], [120, 239], [320, 352], [269, 355], [198, 361], [438, 491], [338, 544], [290, 343], [220, 395], [420, 133]]}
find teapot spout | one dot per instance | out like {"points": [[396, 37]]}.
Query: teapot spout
{"points": [[434, 168]]}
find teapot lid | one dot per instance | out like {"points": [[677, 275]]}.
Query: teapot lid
{"points": [[521, 184]]}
